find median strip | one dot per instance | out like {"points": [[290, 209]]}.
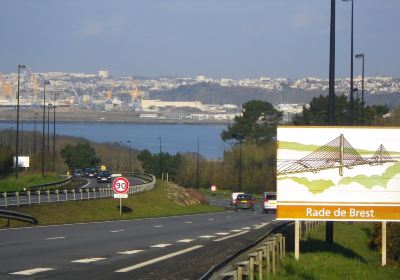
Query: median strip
{"points": [[230, 236], [159, 259]]}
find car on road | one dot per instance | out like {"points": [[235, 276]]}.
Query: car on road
{"points": [[234, 196], [244, 201], [77, 173], [269, 202], [90, 172], [104, 177]]}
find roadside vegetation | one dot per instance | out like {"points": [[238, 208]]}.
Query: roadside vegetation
{"points": [[165, 200], [349, 257], [25, 180]]}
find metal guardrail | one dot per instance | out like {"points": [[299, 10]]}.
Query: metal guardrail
{"points": [[50, 196], [11, 215], [59, 184]]}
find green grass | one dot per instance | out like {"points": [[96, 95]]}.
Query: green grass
{"points": [[150, 204], [25, 180], [348, 258]]}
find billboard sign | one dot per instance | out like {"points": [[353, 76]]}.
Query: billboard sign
{"points": [[338, 173], [22, 161]]}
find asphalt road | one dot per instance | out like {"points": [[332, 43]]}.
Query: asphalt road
{"points": [[85, 192], [182, 247]]}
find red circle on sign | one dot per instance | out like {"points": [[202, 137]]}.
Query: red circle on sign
{"points": [[121, 185]]}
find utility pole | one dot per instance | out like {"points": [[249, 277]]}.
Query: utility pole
{"points": [[198, 164], [17, 135]]}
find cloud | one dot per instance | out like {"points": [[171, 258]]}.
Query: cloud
{"points": [[98, 27]]}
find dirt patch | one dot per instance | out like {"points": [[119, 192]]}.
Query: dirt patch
{"points": [[182, 196]]}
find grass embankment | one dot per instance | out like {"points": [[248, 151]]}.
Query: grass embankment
{"points": [[25, 180], [154, 203], [348, 258]]}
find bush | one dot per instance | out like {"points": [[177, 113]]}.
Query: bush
{"points": [[6, 161], [392, 240]]}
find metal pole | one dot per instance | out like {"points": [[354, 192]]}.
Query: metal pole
{"points": [[384, 243], [54, 133], [34, 134], [240, 165], [198, 164], [362, 92], [44, 120], [48, 129], [329, 225], [351, 67], [130, 155], [17, 133], [118, 156], [161, 169]]}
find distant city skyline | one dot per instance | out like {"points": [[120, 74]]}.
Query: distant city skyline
{"points": [[186, 38]]}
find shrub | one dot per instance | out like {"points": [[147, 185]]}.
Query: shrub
{"points": [[392, 240]]}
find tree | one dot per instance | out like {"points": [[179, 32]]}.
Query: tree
{"points": [[6, 160], [257, 123], [316, 113], [79, 156]]}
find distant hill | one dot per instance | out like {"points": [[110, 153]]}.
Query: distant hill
{"points": [[212, 93]]}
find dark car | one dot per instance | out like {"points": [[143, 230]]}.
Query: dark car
{"points": [[104, 177], [90, 172], [77, 173], [244, 201]]}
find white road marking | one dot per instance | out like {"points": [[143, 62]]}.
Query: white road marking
{"points": [[160, 245], [261, 225], [206, 236], [88, 260], [117, 230], [189, 222], [159, 259], [222, 233], [246, 228], [211, 219], [236, 230], [158, 226], [130, 252], [185, 240], [230, 236], [32, 271], [54, 238]]}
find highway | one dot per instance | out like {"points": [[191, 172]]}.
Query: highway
{"points": [[181, 247]]}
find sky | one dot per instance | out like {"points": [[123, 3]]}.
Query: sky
{"points": [[185, 38]]}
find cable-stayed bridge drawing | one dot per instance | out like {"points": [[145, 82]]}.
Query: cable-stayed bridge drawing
{"points": [[338, 153]]}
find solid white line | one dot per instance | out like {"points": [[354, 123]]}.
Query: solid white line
{"points": [[206, 236], [118, 230], [54, 238], [159, 259], [185, 240], [88, 260], [222, 233], [160, 245], [130, 252], [233, 235], [32, 271]]}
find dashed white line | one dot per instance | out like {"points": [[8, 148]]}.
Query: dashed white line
{"points": [[88, 260], [230, 236], [185, 240], [131, 252], [211, 219], [188, 222], [158, 226], [246, 228], [117, 230], [261, 225], [222, 233], [160, 245], [236, 230], [54, 238], [32, 271], [159, 259], [206, 236]]}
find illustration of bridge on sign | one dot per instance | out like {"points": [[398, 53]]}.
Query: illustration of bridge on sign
{"points": [[338, 153]]}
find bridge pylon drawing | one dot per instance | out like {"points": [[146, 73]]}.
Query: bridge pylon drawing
{"points": [[338, 153]]}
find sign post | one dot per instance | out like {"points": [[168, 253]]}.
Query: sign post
{"points": [[120, 187]]}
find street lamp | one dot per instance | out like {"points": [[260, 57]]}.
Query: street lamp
{"points": [[130, 155], [17, 135], [44, 120], [351, 64], [34, 133], [161, 169], [118, 155], [54, 132], [48, 127], [362, 56], [198, 164]]}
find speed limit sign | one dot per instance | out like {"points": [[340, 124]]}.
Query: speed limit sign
{"points": [[120, 185]]}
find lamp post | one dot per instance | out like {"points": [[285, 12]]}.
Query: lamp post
{"points": [[351, 65], [54, 132], [161, 169], [130, 155], [198, 164], [118, 156], [362, 56], [44, 120], [17, 135], [48, 127], [34, 133]]}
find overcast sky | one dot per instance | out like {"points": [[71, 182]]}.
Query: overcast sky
{"points": [[216, 38]]}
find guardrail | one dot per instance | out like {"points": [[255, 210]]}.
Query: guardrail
{"points": [[257, 261], [50, 196], [59, 184], [11, 215]]}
